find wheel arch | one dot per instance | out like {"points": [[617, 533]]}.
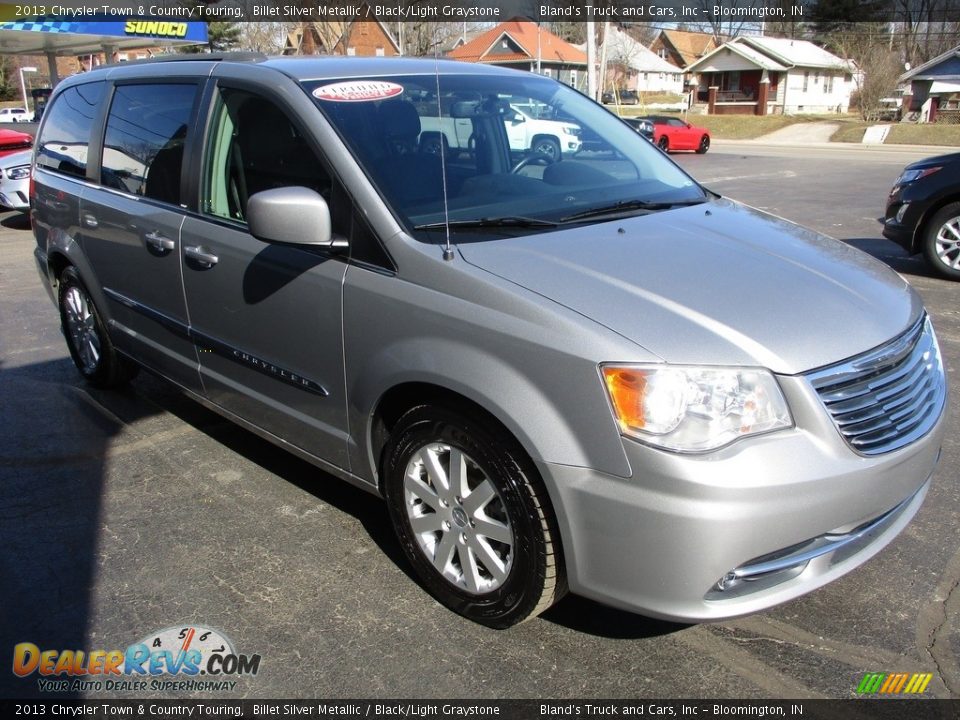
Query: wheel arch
{"points": [[916, 245]]}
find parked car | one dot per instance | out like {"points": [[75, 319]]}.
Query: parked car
{"points": [[580, 372], [12, 115], [622, 97], [15, 180], [526, 131], [673, 133], [12, 141], [641, 125], [923, 212]]}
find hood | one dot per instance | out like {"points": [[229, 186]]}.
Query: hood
{"points": [[716, 284], [932, 161]]}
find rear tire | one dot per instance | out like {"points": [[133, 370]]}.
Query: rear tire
{"points": [[472, 516], [663, 143], [90, 347], [941, 241]]}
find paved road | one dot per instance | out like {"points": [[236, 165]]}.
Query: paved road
{"points": [[125, 513]]}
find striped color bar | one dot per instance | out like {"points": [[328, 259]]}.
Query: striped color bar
{"points": [[894, 683]]}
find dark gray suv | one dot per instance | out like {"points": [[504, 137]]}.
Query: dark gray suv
{"points": [[576, 369]]}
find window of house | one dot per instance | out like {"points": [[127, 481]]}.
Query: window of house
{"points": [[816, 78], [145, 137], [806, 80], [65, 140], [828, 84], [573, 78]]}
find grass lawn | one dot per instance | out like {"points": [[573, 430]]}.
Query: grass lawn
{"points": [[903, 134]]}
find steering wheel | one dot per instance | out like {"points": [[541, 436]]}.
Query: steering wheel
{"points": [[534, 157]]}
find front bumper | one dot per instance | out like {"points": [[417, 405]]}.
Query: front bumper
{"points": [[659, 542]]}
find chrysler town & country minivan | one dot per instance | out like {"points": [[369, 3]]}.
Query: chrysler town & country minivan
{"points": [[562, 370]]}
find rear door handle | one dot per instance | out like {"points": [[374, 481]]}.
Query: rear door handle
{"points": [[201, 255], [158, 241]]}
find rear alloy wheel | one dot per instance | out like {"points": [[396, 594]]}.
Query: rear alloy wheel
{"points": [[704, 144], [472, 516], [87, 339], [663, 143], [941, 242]]}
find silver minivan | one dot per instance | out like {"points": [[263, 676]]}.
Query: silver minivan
{"points": [[572, 368]]}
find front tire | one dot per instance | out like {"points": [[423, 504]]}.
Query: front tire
{"points": [[941, 241], [704, 145], [90, 346], [548, 147], [472, 516]]}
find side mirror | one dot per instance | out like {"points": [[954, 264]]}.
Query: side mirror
{"points": [[517, 119], [293, 216]]}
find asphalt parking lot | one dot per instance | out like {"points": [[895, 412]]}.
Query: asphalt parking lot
{"points": [[122, 514]]}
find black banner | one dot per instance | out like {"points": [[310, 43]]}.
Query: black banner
{"points": [[881, 709], [660, 11]]}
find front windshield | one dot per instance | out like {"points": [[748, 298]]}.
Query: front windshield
{"points": [[505, 151]]}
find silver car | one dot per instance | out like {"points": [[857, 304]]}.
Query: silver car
{"points": [[578, 372], [15, 180]]}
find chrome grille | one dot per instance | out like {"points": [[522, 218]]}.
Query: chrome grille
{"points": [[888, 397]]}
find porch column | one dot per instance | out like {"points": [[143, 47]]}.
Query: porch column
{"points": [[712, 99], [763, 92]]}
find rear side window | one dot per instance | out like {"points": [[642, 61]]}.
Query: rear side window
{"points": [[144, 141], [65, 139]]}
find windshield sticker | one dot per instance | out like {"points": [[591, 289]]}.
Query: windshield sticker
{"points": [[358, 91]]}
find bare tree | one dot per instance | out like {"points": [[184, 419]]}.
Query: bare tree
{"points": [[265, 37], [878, 63]]}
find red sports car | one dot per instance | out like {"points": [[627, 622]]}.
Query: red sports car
{"points": [[12, 141], [673, 133]]}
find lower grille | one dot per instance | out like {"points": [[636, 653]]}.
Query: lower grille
{"points": [[889, 397]]}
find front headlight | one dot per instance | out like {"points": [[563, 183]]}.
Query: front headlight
{"points": [[19, 172], [909, 176], [694, 409]]}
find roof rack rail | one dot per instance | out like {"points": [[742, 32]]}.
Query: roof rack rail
{"points": [[199, 57]]}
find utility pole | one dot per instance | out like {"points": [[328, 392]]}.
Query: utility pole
{"points": [[591, 59]]}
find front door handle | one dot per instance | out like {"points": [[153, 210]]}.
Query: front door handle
{"points": [[201, 255], [89, 220], [159, 242]]}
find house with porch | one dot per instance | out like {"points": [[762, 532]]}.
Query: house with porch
{"points": [[764, 75], [934, 89], [632, 66], [526, 45]]}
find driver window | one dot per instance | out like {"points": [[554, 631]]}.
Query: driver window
{"points": [[253, 146]]}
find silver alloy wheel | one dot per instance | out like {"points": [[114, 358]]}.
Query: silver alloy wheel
{"points": [[948, 243], [458, 518], [82, 327]]}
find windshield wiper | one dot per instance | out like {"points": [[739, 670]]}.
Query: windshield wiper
{"points": [[507, 221], [625, 206]]}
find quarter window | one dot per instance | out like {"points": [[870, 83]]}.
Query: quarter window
{"points": [[144, 143], [65, 140], [253, 146]]}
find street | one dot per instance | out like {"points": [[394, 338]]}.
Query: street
{"points": [[122, 514]]}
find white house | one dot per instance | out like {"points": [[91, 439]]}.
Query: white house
{"points": [[631, 66], [764, 75]]}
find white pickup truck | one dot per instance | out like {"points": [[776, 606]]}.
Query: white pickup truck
{"points": [[525, 133]]}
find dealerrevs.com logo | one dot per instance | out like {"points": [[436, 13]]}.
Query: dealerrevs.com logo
{"points": [[177, 658]]}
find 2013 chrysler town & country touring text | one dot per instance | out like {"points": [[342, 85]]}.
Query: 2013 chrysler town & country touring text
{"points": [[561, 370]]}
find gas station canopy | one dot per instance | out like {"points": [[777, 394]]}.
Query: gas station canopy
{"points": [[93, 35]]}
